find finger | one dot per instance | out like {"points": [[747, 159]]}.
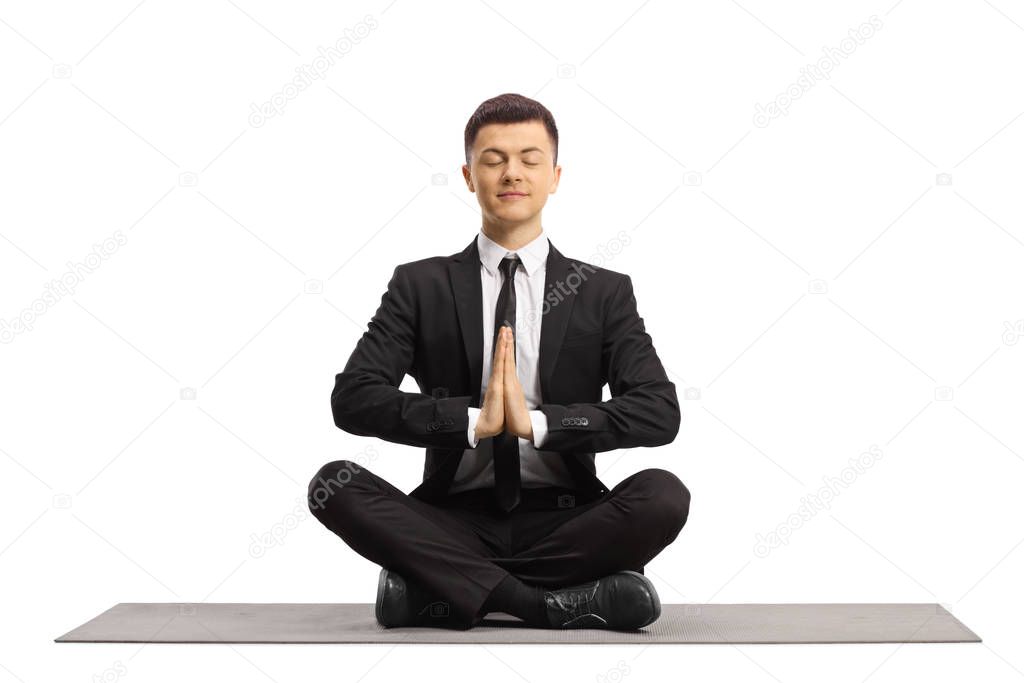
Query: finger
{"points": [[510, 349], [508, 361], [499, 369], [513, 379], [511, 354], [496, 362], [499, 349]]}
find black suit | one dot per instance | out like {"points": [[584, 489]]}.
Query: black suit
{"points": [[429, 325]]}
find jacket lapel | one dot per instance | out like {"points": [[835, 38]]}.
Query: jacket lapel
{"points": [[464, 276], [556, 306]]}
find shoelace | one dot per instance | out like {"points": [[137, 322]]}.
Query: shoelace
{"points": [[578, 602]]}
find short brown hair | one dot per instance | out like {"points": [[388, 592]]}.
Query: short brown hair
{"points": [[510, 108]]}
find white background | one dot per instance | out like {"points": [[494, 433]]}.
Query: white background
{"points": [[812, 286]]}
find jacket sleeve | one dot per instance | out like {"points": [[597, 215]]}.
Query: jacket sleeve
{"points": [[644, 408], [366, 400]]}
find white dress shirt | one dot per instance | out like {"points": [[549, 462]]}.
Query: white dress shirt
{"points": [[536, 467]]}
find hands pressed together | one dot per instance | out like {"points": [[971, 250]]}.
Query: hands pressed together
{"points": [[504, 405]]}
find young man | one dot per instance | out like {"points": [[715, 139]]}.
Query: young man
{"points": [[510, 343]]}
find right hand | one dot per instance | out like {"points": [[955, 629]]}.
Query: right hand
{"points": [[491, 420]]}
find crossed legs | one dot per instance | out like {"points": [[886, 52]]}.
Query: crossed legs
{"points": [[461, 554]]}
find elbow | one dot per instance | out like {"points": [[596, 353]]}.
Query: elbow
{"points": [[347, 419], [673, 427], [341, 416], [341, 420], [673, 418], [341, 406]]}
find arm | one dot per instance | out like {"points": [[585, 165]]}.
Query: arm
{"points": [[366, 400], [644, 408]]}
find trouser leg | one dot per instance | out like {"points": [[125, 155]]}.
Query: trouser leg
{"points": [[624, 529], [429, 545]]}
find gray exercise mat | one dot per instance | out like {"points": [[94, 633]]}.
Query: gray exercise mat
{"points": [[170, 622]]}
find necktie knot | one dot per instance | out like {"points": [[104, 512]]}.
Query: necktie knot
{"points": [[508, 266]]}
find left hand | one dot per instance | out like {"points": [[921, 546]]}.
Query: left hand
{"points": [[517, 415]]}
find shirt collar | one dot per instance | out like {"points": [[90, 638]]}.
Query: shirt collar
{"points": [[533, 255]]}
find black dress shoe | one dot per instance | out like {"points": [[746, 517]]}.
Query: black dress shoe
{"points": [[403, 603], [625, 600]]}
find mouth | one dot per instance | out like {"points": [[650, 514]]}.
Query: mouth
{"points": [[512, 194]]}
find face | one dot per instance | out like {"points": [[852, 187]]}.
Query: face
{"points": [[511, 171]]}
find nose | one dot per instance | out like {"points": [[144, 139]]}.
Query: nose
{"points": [[512, 172]]}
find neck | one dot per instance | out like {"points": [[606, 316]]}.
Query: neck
{"points": [[512, 236]]}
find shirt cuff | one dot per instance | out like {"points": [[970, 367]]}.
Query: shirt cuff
{"points": [[474, 413], [540, 427]]}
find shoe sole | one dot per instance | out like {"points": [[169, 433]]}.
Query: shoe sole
{"points": [[378, 610]]}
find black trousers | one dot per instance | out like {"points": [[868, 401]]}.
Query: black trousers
{"points": [[461, 549]]}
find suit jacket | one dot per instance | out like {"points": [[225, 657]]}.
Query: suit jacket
{"points": [[430, 325]]}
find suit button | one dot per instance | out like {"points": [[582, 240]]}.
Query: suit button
{"points": [[565, 422], [584, 421]]}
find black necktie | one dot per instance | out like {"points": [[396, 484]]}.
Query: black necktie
{"points": [[506, 445]]}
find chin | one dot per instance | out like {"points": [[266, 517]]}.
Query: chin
{"points": [[516, 209]]}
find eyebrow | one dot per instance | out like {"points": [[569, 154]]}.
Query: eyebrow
{"points": [[522, 151]]}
